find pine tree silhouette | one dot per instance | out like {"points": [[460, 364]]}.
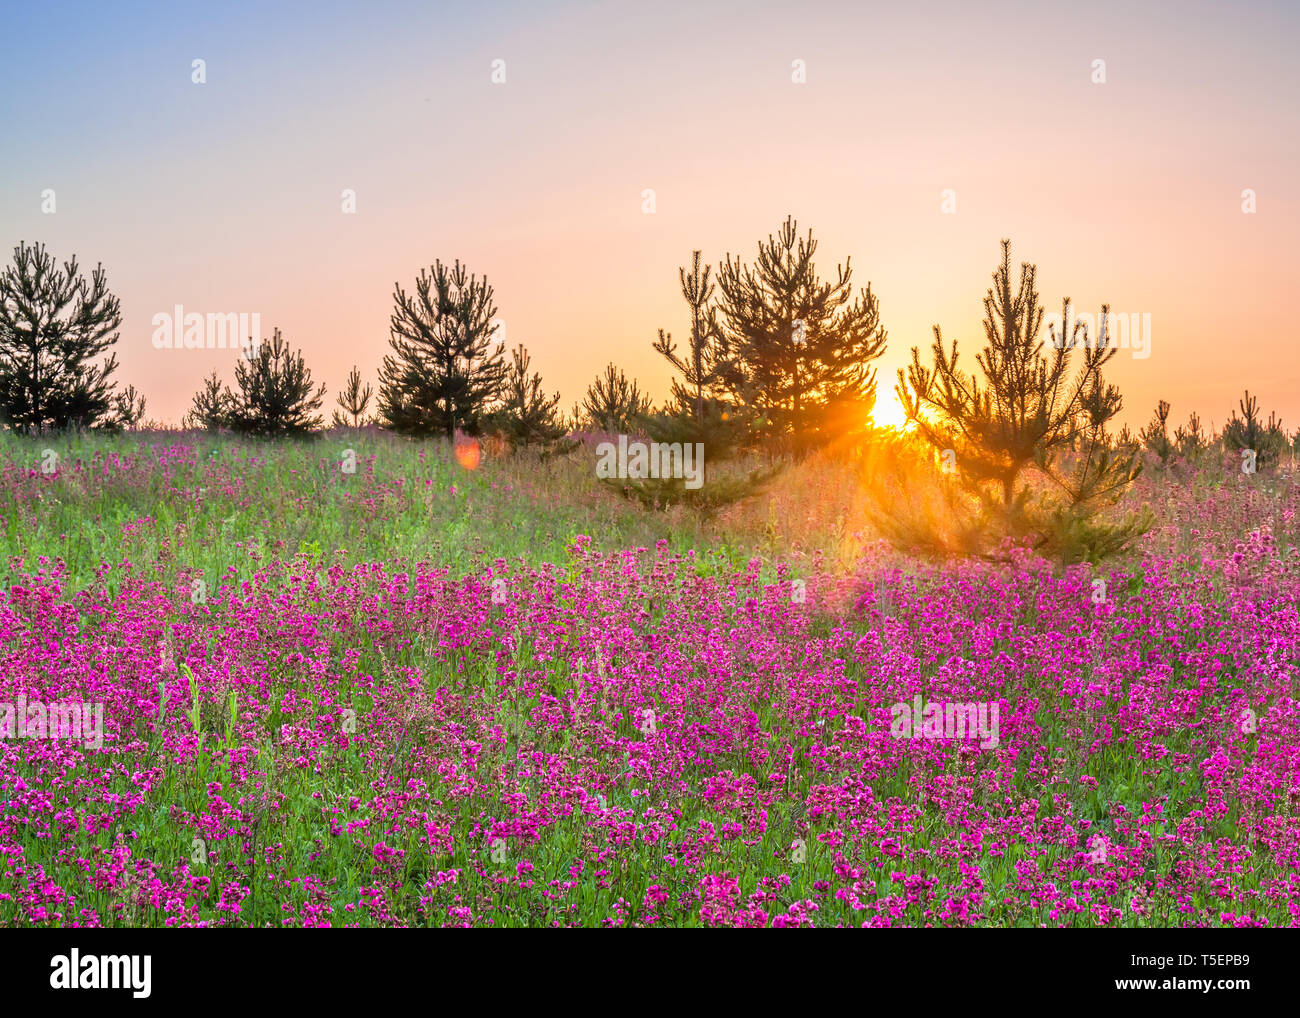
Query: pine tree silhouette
{"points": [[275, 396], [1155, 436], [614, 403], [1266, 440], [1191, 440], [799, 350], [698, 410], [528, 416], [210, 407], [128, 409], [353, 400], [54, 323], [1031, 460], [444, 372]]}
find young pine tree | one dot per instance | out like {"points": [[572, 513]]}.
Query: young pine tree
{"points": [[353, 400], [1155, 436], [1250, 432], [527, 415], [128, 409], [614, 403], [210, 407], [54, 323], [799, 349], [1025, 446], [1191, 441], [697, 411], [444, 372], [275, 394]]}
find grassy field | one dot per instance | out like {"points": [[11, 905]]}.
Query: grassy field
{"points": [[452, 689]]}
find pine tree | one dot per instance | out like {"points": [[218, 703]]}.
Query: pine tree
{"points": [[703, 369], [210, 407], [527, 415], [128, 409], [1191, 440], [444, 372], [797, 349], [53, 324], [353, 400], [614, 403], [1155, 436], [1266, 440], [1008, 439], [275, 395], [697, 410]]}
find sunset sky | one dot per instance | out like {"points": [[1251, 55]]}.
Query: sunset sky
{"points": [[226, 196]]}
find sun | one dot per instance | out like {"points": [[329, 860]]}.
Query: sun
{"points": [[888, 412]]}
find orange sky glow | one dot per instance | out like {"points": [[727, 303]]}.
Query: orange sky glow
{"points": [[921, 136]]}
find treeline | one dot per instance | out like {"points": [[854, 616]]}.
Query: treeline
{"points": [[774, 356], [775, 361], [1260, 444]]}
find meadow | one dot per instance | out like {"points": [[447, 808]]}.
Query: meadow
{"points": [[457, 689]]}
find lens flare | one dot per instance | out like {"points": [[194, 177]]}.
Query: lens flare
{"points": [[467, 454]]}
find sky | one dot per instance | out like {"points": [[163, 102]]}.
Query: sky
{"points": [[921, 135]]}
